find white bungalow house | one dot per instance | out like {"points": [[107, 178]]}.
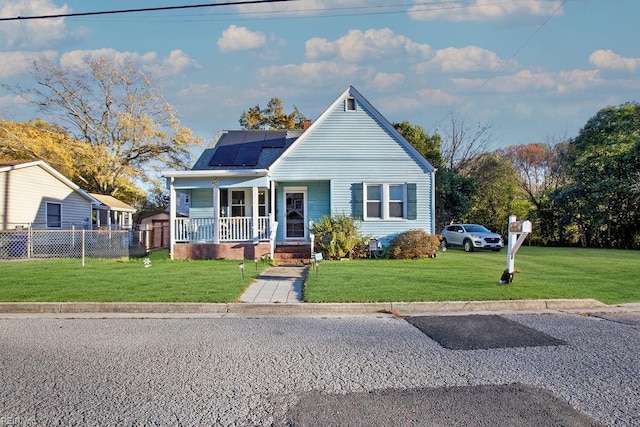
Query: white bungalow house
{"points": [[35, 195], [255, 193]]}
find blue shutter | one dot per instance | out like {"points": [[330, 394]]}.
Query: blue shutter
{"points": [[412, 201], [357, 209]]}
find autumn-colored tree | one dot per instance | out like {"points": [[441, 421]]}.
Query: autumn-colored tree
{"points": [[540, 173], [119, 113], [272, 117], [37, 140], [498, 193]]}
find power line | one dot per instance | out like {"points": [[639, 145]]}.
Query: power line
{"points": [[504, 64], [148, 9]]}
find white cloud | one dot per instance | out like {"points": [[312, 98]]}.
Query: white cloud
{"points": [[315, 73], [78, 58], [240, 38], [607, 59], [358, 46], [16, 63], [527, 81], [466, 59], [483, 10], [34, 32], [177, 62], [438, 97], [386, 81]]}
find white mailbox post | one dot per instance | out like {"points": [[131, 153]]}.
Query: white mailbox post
{"points": [[518, 231]]}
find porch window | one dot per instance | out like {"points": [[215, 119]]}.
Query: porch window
{"points": [[237, 203], [54, 215], [262, 203]]}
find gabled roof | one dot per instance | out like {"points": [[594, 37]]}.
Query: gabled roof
{"points": [[351, 92], [256, 152], [9, 166], [112, 203]]}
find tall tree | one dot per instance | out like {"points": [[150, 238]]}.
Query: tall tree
{"points": [[498, 193], [540, 173], [271, 117], [605, 172], [462, 143], [120, 112], [453, 191], [428, 146]]}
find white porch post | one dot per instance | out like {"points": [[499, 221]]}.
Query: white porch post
{"points": [[172, 217], [272, 204], [216, 211], [254, 214]]}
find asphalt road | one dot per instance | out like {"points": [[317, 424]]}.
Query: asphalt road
{"points": [[567, 370]]}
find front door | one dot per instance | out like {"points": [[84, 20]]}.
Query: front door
{"points": [[296, 213]]}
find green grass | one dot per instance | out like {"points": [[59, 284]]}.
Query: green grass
{"points": [[127, 280], [610, 276]]}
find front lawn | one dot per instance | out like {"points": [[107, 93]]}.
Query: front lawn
{"points": [[610, 276], [108, 280]]}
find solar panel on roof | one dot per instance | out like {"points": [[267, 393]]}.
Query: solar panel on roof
{"points": [[224, 155], [275, 140], [248, 154], [254, 136], [231, 138]]}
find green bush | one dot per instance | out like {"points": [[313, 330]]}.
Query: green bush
{"points": [[336, 236], [414, 244]]}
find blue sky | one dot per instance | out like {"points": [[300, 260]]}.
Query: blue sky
{"points": [[534, 70]]}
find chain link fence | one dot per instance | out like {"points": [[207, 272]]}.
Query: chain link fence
{"points": [[29, 243]]}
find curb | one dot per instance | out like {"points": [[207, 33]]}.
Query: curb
{"points": [[396, 308]]}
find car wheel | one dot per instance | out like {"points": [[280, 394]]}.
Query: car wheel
{"points": [[443, 244], [468, 246]]}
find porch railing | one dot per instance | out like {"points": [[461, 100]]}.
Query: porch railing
{"points": [[231, 229]]}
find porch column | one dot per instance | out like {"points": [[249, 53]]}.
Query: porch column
{"points": [[272, 204], [172, 217], [216, 211], [254, 213]]}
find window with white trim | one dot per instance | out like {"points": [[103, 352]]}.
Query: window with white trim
{"points": [[350, 104], [54, 215], [385, 201], [237, 203]]}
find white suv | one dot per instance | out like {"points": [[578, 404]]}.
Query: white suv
{"points": [[471, 237]]}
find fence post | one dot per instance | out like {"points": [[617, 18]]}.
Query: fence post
{"points": [[83, 240]]}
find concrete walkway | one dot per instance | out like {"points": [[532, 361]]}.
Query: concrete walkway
{"points": [[276, 285]]}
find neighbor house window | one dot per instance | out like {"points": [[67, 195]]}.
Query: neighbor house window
{"points": [[237, 203], [54, 215], [385, 201]]}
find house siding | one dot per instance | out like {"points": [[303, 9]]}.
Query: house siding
{"points": [[25, 193], [352, 147]]}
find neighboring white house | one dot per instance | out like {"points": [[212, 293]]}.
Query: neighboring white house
{"points": [[35, 195]]}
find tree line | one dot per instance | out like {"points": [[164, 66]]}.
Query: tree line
{"points": [[110, 127]]}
